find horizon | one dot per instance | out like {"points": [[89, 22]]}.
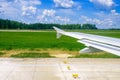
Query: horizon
{"points": [[104, 14]]}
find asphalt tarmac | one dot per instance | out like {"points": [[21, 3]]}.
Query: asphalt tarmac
{"points": [[59, 69]]}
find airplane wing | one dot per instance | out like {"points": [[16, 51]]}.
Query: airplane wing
{"points": [[94, 43]]}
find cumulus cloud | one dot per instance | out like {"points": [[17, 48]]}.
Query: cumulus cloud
{"points": [[18, 9], [20, 4], [113, 12], [104, 20], [45, 14], [50, 12], [9, 9], [64, 3], [62, 19], [28, 2], [103, 3], [28, 6], [28, 10], [105, 23], [49, 16], [90, 20], [4, 5]]}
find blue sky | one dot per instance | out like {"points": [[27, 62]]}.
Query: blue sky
{"points": [[103, 13]]}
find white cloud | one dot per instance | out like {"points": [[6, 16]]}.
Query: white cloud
{"points": [[28, 10], [20, 10], [64, 3], [103, 3], [28, 2], [90, 20], [103, 20], [46, 14], [50, 12], [62, 19], [113, 12], [105, 23], [9, 9], [28, 6], [49, 16]]}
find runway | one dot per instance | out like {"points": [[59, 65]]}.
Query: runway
{"points": [[59, 69]]}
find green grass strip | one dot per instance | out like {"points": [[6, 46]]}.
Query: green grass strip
{"points": [[95, 55]]}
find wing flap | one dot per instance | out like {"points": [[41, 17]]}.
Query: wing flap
{"points": [[105, 47]]}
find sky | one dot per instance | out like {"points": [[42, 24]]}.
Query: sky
{"points": [[104, 13]]}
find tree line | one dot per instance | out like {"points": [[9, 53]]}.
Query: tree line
{"points": [[10, 24]]}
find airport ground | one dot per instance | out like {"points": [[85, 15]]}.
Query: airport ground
{"points": [[59, 69]]}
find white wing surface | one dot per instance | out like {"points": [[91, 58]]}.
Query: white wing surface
{"points": [[94, 43]]}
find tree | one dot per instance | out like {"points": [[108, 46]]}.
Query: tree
{"points": [[89, 26], [9, 24]]}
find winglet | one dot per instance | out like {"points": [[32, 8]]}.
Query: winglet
{"points": [[59, 32]]}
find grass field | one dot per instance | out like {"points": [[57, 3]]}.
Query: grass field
{"points": [[46, 40], [32, 40]]}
